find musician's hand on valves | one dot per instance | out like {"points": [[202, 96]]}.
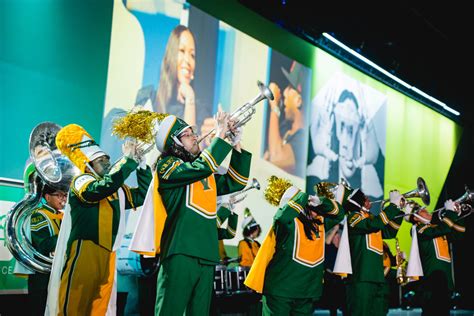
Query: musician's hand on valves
{"points": [[129, 149], [313, 200], [408, 209], [397, 198], [450, 205], [222, 124]]}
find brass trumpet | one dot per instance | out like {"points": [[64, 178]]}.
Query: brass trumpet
{"points": [[421, 191], [244, 113], [464, 202], [235, 198]]}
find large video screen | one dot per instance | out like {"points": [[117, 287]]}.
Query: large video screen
{"points": [[173, 58], [328, 120]]}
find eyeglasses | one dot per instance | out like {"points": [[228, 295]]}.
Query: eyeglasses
{"points": [[59, 195], [192, 134]]}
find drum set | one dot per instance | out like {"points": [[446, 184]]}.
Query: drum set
{"points": [[230, 280]]}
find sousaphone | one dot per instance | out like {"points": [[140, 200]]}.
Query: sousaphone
{"points": [[52, 169]]}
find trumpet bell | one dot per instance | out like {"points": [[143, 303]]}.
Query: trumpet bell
{"points": [[420, 192]]}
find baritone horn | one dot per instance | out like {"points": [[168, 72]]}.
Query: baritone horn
{"points": [[239, 196], [244, 113], [421, 191]]}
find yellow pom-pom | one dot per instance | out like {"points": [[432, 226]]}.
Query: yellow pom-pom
{"points": [[275, 189], [137, 124], [72, 134]]}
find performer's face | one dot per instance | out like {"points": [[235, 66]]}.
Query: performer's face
{"points": [[189, 140], [186, 58], [347, 128], [56, 200], [101, 165]]}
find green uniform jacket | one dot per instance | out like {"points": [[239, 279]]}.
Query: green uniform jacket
{"points": [[433, 245], [95, 209], [189, 191], [224, 213], [366, 232], [296, 269], [45, 222]]}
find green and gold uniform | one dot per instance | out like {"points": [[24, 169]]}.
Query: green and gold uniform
{"points": [[223, 214], [365, 286], [294, 276], [189, 243], [248, 250], [88, 274], [45, 222], [437, 281]]}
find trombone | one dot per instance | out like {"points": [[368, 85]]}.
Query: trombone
{"points": [[421, 191], [463, 201]]}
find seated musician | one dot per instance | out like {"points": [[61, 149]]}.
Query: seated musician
{"points": [[248, 247]]}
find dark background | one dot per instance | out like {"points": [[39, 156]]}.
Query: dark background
{"points": [[426, 46]]}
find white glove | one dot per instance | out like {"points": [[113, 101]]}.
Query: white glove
{"points": [[129, 149], [450, 205], [314, 200], [236, 137], [408, 208], [396, 198]]}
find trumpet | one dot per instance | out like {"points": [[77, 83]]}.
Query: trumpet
{"points": [[464, 202], [421, 191], [239, 196], [244, 113]]}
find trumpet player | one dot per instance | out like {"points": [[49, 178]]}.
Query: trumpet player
{"points": [[186, 185], [365, 286], [433, 244]]}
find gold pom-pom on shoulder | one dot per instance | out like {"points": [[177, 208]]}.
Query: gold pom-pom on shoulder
{"points": [[138, 124], [325, 189], [275, 189]]}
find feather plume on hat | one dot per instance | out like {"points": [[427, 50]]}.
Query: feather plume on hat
{"points": [[78, 145]]}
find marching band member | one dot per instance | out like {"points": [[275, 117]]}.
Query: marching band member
{"points": [[366, 283], [45, 224], [434, 253], [289, 265], [96, 223], [249, 246], [184, 194]]}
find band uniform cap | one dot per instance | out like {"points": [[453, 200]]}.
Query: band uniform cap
{"points": [[168, 130], [289, 193], [78, 145], [355, 201], [295, 76]]}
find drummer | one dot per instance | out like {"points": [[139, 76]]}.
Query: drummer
{"points": [[249, 246]]}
